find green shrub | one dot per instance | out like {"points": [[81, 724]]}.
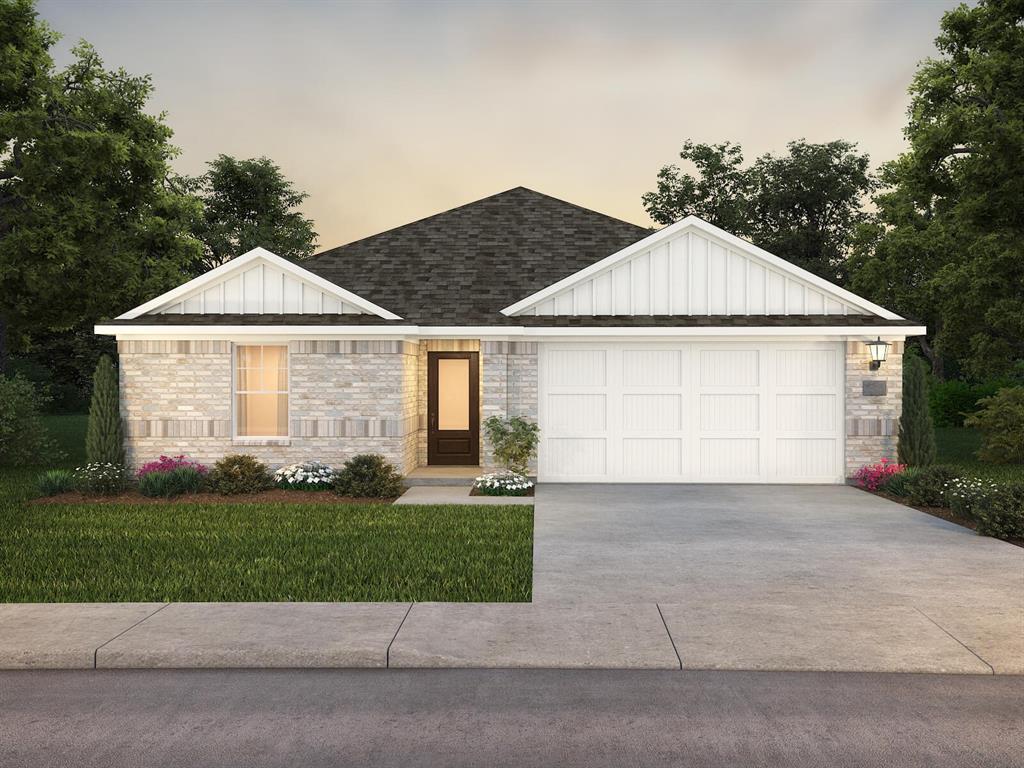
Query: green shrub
{"points": [[899, 483], [917, 433], [23, 439], [953, 400], [928, 485], [173, 483], [56, 481], [239, 473], [513, 441], [369, 476], [965, 494], [101, 478], [104, 440], [1000, 514], [1001, 422]]}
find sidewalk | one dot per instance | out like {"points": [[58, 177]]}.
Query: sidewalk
{"points": [[496, 635]]}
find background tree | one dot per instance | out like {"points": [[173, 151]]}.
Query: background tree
{"points": [[249, 203], [90, 219], [803, 206], [917, 433], [104, 438], [947, 245]]}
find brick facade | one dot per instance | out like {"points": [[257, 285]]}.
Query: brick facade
{"points": [[872, 418], [346, 397]]}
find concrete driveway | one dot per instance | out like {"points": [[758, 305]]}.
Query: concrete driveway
{"points": [[741, 573]]}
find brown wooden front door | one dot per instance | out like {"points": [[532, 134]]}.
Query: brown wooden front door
{"points": [[453, 408]]}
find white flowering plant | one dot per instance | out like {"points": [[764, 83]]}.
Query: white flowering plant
{"points": [[964, 494], [503, 483], [307, 476], [101, 477]]}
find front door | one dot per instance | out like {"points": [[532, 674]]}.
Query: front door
{"points": [[453, 408]]}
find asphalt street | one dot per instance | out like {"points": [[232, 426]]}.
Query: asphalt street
{"points": [[258, 718]]}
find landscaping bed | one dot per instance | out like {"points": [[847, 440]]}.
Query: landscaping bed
{"points": [[222, 551], [272, 496]]}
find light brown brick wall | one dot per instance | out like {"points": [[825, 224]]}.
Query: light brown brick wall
{"points": [[872, 421]]}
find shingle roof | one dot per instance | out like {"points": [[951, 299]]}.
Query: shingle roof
{"points": [[463, 266]]}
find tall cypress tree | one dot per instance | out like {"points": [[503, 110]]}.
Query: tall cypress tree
{"points": [[104, 440], [917, 433]]}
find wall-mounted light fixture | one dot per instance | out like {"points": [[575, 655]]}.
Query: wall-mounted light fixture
{"points": [[879, 350]]}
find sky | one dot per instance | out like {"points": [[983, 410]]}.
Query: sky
{"points": [[386, 112]]}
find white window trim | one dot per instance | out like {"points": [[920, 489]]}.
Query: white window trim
{"points": [[256, 439]]}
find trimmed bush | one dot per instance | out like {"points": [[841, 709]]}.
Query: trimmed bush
{"points": [[56, 481], [104, 440], [101, 478], [898, 484], [917, 433], [1001, 422], [964, 494], [239, 473], [927, 487], [308, 476], [176, 482], [369, 476], [1000, 514], [513, 441], [23, 439]]}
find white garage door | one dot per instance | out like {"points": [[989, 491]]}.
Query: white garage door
{"points": [[695, 412]]}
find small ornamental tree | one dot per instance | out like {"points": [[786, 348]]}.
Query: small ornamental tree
{"points": [[104, 440], [917, 433]]}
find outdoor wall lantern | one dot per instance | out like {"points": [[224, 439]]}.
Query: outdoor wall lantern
{"points": [[879, 350]]}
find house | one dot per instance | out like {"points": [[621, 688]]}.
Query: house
{"points": [[681, 355]]}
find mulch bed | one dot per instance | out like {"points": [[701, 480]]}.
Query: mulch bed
{"points": [[275, 496], [943, 513]]}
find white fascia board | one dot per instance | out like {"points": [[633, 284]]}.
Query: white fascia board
{"points": [[246, 258], [492, 332], [711, 230]]}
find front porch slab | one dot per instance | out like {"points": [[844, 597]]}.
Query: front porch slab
{"points": [[455, 494]]}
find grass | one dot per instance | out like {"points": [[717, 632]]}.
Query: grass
{"points": [[253, 552], [958, 447]]}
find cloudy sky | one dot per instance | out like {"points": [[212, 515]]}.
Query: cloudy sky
{"points": [[388, 112]]}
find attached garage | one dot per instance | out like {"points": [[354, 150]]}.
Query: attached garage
{"points": [[767, 412]]}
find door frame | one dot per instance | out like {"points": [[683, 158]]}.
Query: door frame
{"points": [[433, 459]]}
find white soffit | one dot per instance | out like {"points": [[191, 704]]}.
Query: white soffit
{"points": [[694, 268], [259, 283]]}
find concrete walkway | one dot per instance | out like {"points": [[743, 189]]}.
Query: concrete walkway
{"points": [[455, 494]]}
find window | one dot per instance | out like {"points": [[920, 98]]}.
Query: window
{"points": [[261, 391]]}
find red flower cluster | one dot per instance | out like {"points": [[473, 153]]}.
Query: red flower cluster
{"points": [[874, 476], [169, 464]]}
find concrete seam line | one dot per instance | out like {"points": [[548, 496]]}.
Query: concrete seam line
{"points": [[96, 653], [669, 633], [387, 653], [991, 669]]}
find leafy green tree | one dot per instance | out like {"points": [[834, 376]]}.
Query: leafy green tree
{"points": [[803, 206], [90, 219], [104, 438], [947, 246], [917, 433], [249, 203]]}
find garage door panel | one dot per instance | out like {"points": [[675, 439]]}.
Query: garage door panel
{"points": [[729, 367], [806, 413], [805, 368], [730, 458], [652, 367], [577, 367], [652, 412], [577, 413], [803, 458], [576, 456], [729, 413], [652, 457]]}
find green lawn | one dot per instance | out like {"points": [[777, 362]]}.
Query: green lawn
{"points": [[249, 552], [958, 446]]}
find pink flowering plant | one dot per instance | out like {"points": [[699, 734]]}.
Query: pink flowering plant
{"points": [[169, 464], [875, 476]]}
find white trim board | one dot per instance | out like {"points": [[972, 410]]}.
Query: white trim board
{"points": [[245, 262], [677, 235]]}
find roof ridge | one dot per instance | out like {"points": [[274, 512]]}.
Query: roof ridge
{"points": [[315, 256]]}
